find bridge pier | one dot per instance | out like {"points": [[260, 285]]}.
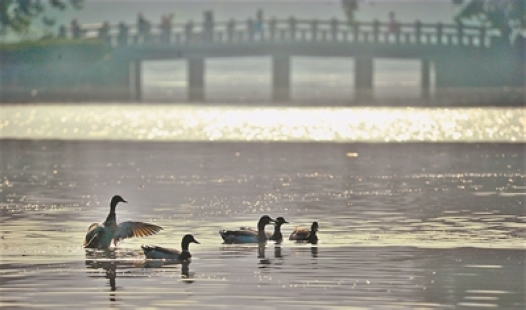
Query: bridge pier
{"points": [[196, 73], [364, 78], [135, 77], [426, 78], [281, 78]]}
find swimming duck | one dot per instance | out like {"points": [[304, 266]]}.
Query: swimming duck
{"points": [[157, 252], [304, 234], [245, 235], [99, 236], [277, 236]]}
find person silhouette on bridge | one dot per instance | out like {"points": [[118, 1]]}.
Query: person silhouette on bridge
{"points": [[143, 27], [76, 31], [166, 28], [393, 26]]}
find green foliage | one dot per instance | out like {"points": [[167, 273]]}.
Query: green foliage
{"points": [[502, 15], [17, 15]]}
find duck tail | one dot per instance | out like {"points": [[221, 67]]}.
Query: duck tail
{"points": [[222, 233], [146, 248]]}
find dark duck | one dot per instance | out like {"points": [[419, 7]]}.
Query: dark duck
{"points": [[157, 252], [277, 236], [304, 234], [247, 235]]}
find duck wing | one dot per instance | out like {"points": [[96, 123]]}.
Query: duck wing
{"points": [[300, 233], [135, 229], [239, 232], [93, 236], [148, 248]]}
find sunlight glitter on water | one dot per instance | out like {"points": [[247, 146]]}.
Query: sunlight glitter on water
{"points": [[229, 123]]}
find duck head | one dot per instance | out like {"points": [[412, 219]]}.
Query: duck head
{"points": [[187, 239], [313, 238], [314, 227], [115, 200], [264, 220], [280, 221]]}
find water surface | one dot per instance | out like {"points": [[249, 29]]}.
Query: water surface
{"points": [[401, 225]]}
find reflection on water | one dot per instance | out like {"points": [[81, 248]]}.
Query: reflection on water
{"points": [[234, 123]]}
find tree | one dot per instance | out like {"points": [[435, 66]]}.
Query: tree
{"points": [[17, 15], [506, 16]]}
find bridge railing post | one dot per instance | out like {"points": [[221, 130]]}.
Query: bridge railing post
{"points": [[376, 28], [356, 31], [482, 36], [272, 29], [292, 28], [189, 31], [439, 30], [397, 35], [460, 33], [314, 30], [250, 29], [334, 29], [230, 30], [418, 32]]}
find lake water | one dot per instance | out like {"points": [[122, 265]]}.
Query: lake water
{"points": [[418, 208]]}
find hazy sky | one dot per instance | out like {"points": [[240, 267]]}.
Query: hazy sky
{"points": [[96, 11]]}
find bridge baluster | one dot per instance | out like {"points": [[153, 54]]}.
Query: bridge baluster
{"points": [[418, 32], [439, 33], [189, 31], [250, 29], [482, 36], [314, 30], [334, 29], [292, 28], [230, 30], [376, 27], [356, 31], [272, 28], [460, 33]]}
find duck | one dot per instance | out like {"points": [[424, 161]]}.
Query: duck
{"points": [[100, 236], [157, 252], [247, 235], [304, 234], [274, 236], [277, 236]]}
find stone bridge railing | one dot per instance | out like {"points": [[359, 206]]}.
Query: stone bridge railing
{"points": [[289, 30]]}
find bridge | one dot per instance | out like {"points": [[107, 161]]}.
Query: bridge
{"points": [[283, 39]]}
